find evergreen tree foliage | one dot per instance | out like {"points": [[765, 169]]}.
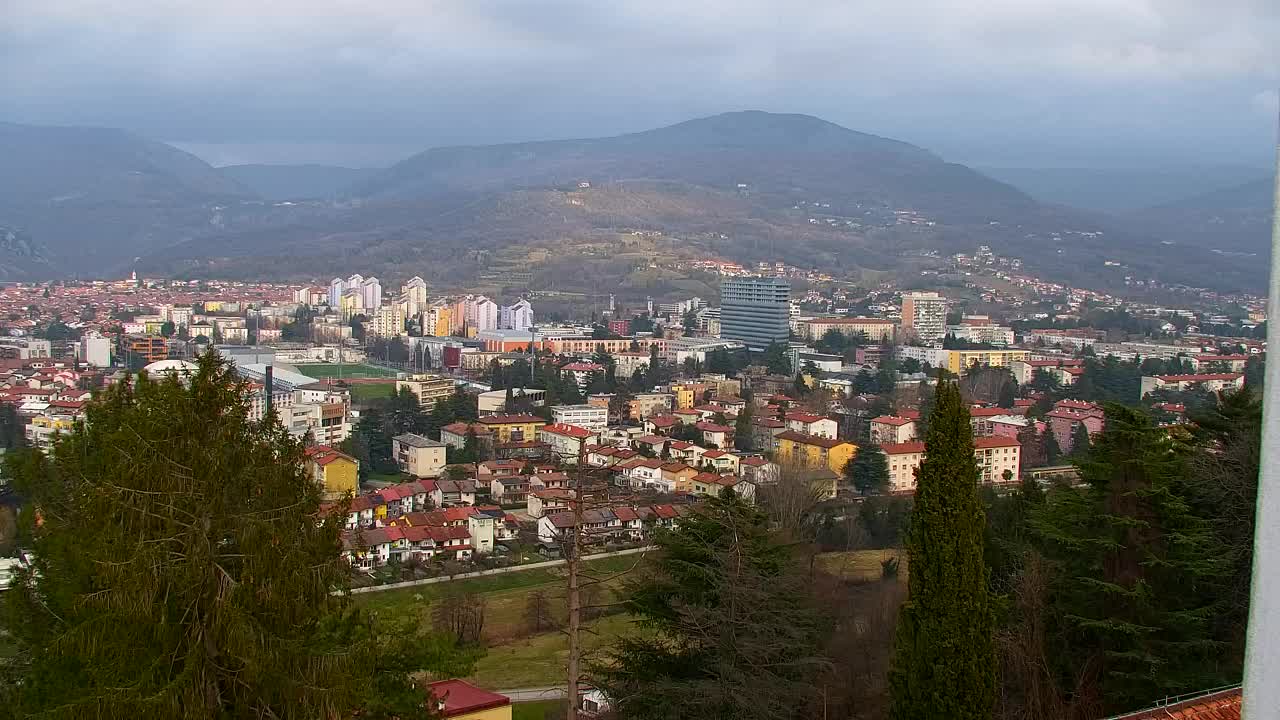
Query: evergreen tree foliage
{"points": [[1080, 441], [1138, 571], [776, 360], [1254, 372], [730, 637], [184, 570], [868, 471], [1008, 394], [944, 662], [1224, 469], [1052, 451], [742, 429]]}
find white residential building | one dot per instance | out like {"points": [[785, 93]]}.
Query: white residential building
{"points": [[591, 417], [517, 317]]}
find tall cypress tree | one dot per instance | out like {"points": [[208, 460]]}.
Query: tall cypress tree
{"points": [[944, 662], [184, 570]]}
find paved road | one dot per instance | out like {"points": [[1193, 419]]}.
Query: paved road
{"points": [[518, 695], [483, 573]]}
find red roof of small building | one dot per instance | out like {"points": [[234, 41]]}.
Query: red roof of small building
{"points": [[804, 417], [572, 431], [461, 697], [583, 367], [1199, 377], [322, 455], [905, 448], [804, 439], [893, 420], [712, 427]]}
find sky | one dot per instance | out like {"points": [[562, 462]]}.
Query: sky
{"points": [[1014, 83]]}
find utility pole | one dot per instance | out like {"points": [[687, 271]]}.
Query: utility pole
{"points": [[573, 559], [1262, 654]]}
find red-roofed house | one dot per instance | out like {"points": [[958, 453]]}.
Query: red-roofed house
{"points": [[995, 455], [460, 700], [337, 473], [810, 424], [892, 429], [713, 435], [1213, 382], [567, 441], [1067, 415]]}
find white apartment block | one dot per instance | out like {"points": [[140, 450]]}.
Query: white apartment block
{"points": [[590, 417], [995, 456]]}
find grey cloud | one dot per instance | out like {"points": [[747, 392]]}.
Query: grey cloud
{"points": [[997, 81]]}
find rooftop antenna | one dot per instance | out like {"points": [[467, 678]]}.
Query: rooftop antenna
{"points": [[1262, 653]]}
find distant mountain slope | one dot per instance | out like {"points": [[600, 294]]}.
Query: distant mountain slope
{"points": [[1119, 190], [1231, 220], [795, 156], [95, 196], [576, 216], [296, 182]]}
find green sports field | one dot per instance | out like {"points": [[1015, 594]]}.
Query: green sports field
{"points": [[321, 371]]}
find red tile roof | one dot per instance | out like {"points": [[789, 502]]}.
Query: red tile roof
{"points": [[323, 455], [892, 420], [572, 431], [1200, 377], [1224, 705], [712, 427], [905, 448], [461, 697], [810, 439]]}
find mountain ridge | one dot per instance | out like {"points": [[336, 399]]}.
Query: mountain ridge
{"points": [[746, 185]]}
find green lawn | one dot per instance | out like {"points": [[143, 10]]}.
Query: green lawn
{"points": [[540, 710], [539, 661], [506, 598], [320, 371], [388, 477], [365, 392]]}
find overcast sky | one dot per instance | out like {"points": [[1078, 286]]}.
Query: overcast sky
{"points": [[362, 82]]}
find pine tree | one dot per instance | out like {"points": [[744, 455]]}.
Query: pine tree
{"points": [[1052, 452], [1139, 574], [1224, 469], [1080, 441], [742, 430], [733, 638], [944, 662], [184, 570], [1008, 394], [868, 471]]}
